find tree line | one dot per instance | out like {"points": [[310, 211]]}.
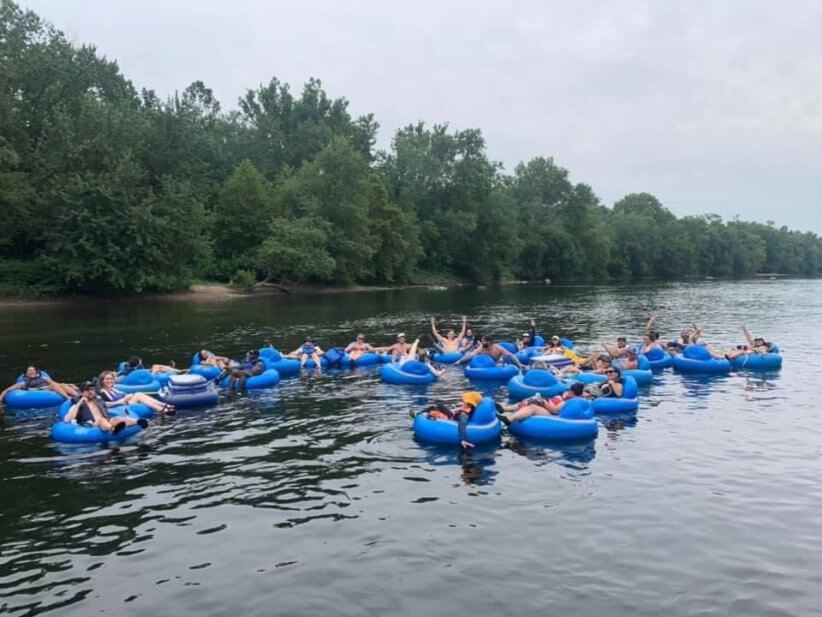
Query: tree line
{"points": [[107, 189]]}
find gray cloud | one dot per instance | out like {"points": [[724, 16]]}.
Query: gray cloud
{"points": [[710, 106]]}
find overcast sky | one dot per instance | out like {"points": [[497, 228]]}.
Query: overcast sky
{"points": [[711, 106]]}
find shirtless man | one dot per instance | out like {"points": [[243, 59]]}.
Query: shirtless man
{"points": [[451, 342], [359, 347], [487, 347], [398, 349]]}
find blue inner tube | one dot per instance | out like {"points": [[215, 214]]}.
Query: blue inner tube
{"points": [[161, 377], [187, 391], [447, 357], [483, 427], [136, 410], [33, 399], [758, 362], [627, 403], [535, 381], [575, 422], [65, 432], [138, 381], [589, 377], [508, 346], [412, 372], [643, 374], [367, 359], [658, 359], [695, 359], [484, 367], [539, 341], [268, 379], [209, 372], [273, 359]]}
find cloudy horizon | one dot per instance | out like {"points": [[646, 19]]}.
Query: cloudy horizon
{"points": [[710, 108]]}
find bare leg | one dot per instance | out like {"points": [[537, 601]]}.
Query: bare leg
{"points": [[149, 401], [527, 412], [316, 358], [716, 355]]}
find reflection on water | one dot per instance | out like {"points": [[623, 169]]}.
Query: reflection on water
{"points": [[314, 498]]}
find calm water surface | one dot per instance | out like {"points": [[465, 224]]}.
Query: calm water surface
{"points": [[314, 498]]}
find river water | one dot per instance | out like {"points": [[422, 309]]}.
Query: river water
{"points": [[314, 498]]}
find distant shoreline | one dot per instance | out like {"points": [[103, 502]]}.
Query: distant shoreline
{"points": [[222, 292]]}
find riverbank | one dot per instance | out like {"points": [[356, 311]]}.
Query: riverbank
{"points": [[214, 292]]}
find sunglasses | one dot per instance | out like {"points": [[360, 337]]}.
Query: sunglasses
{"points": [[610, 372]]}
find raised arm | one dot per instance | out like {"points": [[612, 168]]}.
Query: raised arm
{"points": [[650, 325], [612, 351], [464, 328], [697, 332], [748, 336], [434, 330]]}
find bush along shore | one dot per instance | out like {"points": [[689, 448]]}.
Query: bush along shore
{"points": [[107, 189]]}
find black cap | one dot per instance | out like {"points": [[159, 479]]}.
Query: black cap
{"points": [[87, 385]]}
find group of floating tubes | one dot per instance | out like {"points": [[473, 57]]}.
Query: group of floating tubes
{"points": [[576, 419]]}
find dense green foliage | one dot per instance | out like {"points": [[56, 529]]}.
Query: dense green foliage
{"points": [[106, 189]]}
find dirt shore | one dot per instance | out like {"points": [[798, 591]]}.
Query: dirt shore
{"points": [[207, 292]]}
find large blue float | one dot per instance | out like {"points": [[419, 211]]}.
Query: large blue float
{"points": [[411, 372], [267, 379], [627, 403], [485, 368], [447, 357], [771, 361], [66, 432], [589, 377], [187, 391], [535, 381], [483, 427], [161, 377], [658, 358], [642, 374], [696, 360], [272, 358], [33, 399], [575, 422], [140, 380], [367, 359], [69, 432], [209, 372]]}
